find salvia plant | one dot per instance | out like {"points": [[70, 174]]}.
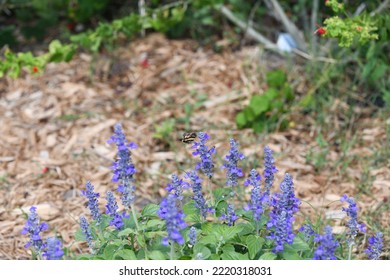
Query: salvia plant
{"points": [[199, 221]]}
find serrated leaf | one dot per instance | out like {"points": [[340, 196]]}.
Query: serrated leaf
{"points": [[291, 256], [125, 254], [150, 210], [254, 243], [126, 232], [190, 208], [156, 255], [109, 251], [201, 252], [221, 194], [232, 255], [207, 228], [227, 232], [208, 239], [268, 256]]}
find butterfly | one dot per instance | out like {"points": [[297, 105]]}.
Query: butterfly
{"points": [[188, 137]]}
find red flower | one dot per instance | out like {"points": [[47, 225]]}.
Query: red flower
{"points": [[321, 31], [45, 170], [35, 69]]}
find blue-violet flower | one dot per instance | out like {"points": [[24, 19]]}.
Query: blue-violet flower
{"points": [[34, 229], [196, 184], [257, 198], [233, 172], [285, 204], [205, 154], [353, 225], [86, 231], [307, 230], [112, 211], [53, 249], [269, 169], [123, 168], [230, 215], [92, 201], [174, 219], [192, 236], [375, 245], [326, 245], [176, 186]]}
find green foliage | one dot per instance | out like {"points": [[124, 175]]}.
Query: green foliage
{"points": [[165, 129], [361, 28], [264, 111]]}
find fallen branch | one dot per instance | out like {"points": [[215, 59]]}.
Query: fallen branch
{"points": [[267, 43], [289, 25]]}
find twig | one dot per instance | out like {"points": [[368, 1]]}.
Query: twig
{"points": [[267, 43], [142, 13], [289, 25], [314, 14], [383, 6], [250, 31]]}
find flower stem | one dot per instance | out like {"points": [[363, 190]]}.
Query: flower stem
{"points": [[172, 250], [134, 216]]}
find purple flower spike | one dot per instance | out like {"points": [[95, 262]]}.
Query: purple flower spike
{"points": [[176, 186], [123, 167], [112, 211], [230, 216], [33, 228], [200, 201], [86, 231], [174, 219], [353, 225], [205, 154], [257, 198], [326, 245], [92, 201], [285, 204], [307, 230], [233, 172], [375, 245], [269, 169], [53, 249], [192, 236]]}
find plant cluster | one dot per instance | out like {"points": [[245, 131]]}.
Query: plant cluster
{"points": [[265, 111], [195, 222]]}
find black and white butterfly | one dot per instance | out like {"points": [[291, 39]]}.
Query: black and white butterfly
{"points": [[188, 137]]}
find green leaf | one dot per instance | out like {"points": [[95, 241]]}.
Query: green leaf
{"points": [[201, 252], [141, 240], [259, 104], [190, 208], [271, 94], [276, 78], [208, 239], [125, 254], [156, 255], [221, 194], [268, 256], [126, 232], [291, 256], [154, 224], [150, 210], [227, 232], [207, 228], [249, 114], [241, 120], [254, 243], [232, 255], [109, 251]]}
